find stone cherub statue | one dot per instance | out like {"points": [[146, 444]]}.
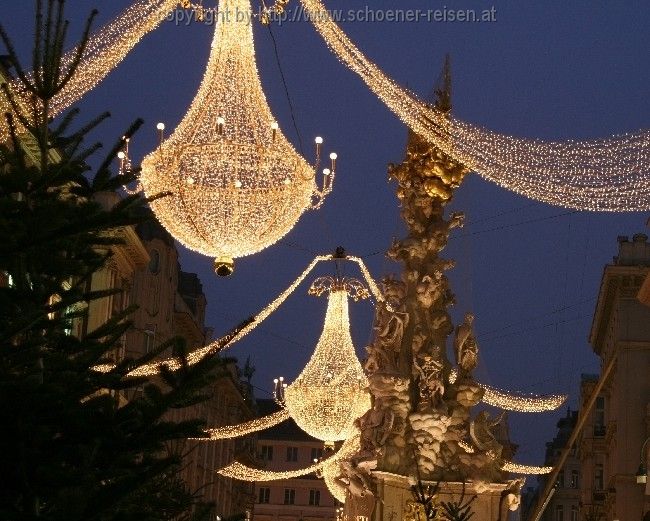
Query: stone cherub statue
{"points": [[466, 347], [375, 427], [431, 382], [480, 430]]}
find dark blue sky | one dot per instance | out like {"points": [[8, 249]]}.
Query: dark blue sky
{"points": [[530, 272]]}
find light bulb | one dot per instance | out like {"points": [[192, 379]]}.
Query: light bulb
{"points": [[333, 156], [220, 121], [121, 155], [190, 180], [160, 126], [238, 184], [326, 171], [319, 140], [275, 125]]}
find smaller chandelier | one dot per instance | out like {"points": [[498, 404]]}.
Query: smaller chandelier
{"points": [[331, 391]]}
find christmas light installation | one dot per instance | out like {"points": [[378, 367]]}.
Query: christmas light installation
{"points": [[509, 466], [492, 396], [517, 468], [517, 402], [600, 175], [243, 472], [229, 340], [330, 392], [242, 429], [104, 51], [233, 183]]}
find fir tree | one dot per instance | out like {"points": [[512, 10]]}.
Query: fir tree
{"points": [[71, 447]]}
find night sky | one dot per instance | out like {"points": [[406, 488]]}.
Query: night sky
{"points": [[529, 271]]}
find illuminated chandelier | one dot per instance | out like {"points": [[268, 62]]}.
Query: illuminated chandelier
{"points": [[232, 184], [330, 392]]}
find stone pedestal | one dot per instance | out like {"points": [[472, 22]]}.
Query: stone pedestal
{"points": [[397, 499]]}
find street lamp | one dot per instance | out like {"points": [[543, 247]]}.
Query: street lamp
{"points": [[642, 473]]}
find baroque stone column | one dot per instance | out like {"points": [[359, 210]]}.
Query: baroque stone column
{"points": [[421, 425]]}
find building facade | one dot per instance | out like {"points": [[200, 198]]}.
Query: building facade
{"points": [[564, 504], [621, 331], [172, 304], [286, 447], [592, 454]]}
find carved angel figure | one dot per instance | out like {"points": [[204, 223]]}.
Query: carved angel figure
{"points": [[375, 427], [480, 430], [431, 379], [428, 291], [465, 346]]}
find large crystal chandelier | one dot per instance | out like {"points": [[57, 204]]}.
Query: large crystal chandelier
{"points": [[230, 181], [330, 392]]}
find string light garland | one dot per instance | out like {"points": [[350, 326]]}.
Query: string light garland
{"points": [[600, 175], [517, 402], [509, 466], [243, 472], [229, 340], [242, 429], [331, 470], [517, 468], [330, 392], [104, 51], [234, 184]]}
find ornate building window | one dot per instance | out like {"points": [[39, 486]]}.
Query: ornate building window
{"points": [[559, 513], [599, 417], [154, 263], [264, 495], [574, 479], [266, 452], [574, 513], [598, 477], [316, 453], [289, 496], [292, 453], [314, 497]]}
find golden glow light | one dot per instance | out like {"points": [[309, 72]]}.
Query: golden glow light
{"points": [[226, 342], [242, 429], [330, 392], [600, 175], [234, 183], [105, 49], [516, 468], [517, 402], [509, 466], [243, 472], [331, 470]]}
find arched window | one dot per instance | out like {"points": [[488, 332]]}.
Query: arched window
{"points": [[154, 263]]}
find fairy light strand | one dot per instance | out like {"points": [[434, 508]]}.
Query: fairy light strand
{"points": [[509, 401], [509, 466], [243, 429], [243, 472], [105, 50], [600, 175]]}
